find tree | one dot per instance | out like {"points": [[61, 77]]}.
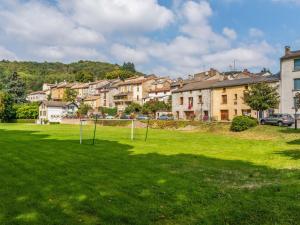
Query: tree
{"points": [[121, 74], [129, 66], [16, 88], [6, 107], [70, 95], [262, 96], [27, 111], [84, 109], [133, 108], [84, 76], [152, 107]]}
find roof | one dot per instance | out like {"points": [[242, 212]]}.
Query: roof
{"points": [[196, 85], [177, 83], [160, 89], [37, 92], [246, 81], [54, 103], [80, 86], [291, 55], [136, 80]]}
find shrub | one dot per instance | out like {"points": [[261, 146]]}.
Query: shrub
{"points": [[241, 123], [27, 111]]}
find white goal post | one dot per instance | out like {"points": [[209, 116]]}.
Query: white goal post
{"points": [[97, 121]]}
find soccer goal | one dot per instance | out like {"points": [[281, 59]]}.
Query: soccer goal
{"points": [[90, 129]]}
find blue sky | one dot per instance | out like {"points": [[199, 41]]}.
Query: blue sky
{"points": [[165, 37]]}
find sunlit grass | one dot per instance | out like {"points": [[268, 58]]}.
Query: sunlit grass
{"points": [[207, 176]]}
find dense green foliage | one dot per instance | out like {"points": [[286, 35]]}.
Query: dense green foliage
{"points": [[133, 108], [7, 111], [108, 111], [83, 109], [15, 87], [27, 111], [152, 107], [262, 96], [70, 95], [241, 123], [173, 178], [35, 74]]}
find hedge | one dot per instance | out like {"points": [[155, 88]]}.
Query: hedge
{"points": [[23, 121], [241, 123]]}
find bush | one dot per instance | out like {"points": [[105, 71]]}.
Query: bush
{"points": [[23, 121], [241, 123]]}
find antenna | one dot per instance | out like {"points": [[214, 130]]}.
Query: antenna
{"points": [[234, 69]]}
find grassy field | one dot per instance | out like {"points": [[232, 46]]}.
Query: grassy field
{"points": [[208, 176]]}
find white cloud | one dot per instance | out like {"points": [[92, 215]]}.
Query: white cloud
{"points": [[255, 32], [6, 54], [230, 33], [287, 1], [118, 15], [117, 30], [127, 54]]}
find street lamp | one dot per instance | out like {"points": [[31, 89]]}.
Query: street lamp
{"points": [[296, 107]]}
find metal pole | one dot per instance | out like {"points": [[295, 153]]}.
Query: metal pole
{"points": [[296, 122], [132, 126], [147, 130], [95, 129], [80, 131]]}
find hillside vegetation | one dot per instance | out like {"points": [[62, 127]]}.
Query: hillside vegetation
{"points": [[35, 74]]}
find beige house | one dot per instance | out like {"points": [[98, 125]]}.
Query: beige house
{"points": [[81, 89], [132, 90], [160, 90], [227, 98], [93, 101]]}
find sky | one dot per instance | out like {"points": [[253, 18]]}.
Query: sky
{"points": [[164, 37]]}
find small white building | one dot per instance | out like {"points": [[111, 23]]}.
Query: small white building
{"points": [[290, 80], [54, 111], [37, 96]]}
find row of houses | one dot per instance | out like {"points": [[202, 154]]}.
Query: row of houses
{"points": [[209, 95]]}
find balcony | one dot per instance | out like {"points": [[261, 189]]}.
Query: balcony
{"points": [[123, 97]]}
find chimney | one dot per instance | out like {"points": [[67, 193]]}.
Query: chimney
{"points": [[180, 83], [287, 50]]}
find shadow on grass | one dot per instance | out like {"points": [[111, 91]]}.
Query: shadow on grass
{"points": [[293, 153], [51, 181]]}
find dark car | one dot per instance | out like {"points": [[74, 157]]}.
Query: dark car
{"points": [[165, 117], [125, 117], [278, 119], [142, 117]]}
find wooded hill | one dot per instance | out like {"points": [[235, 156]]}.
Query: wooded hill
{"points": [[35, 74]]}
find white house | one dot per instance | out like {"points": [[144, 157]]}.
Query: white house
{"points": [[37, 96], [290, 79], [54, 111]]}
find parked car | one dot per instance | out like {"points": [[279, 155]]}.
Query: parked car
{"points": [[165, 117], [142, 117], [125, 117], [109, 117], [278, 119]]}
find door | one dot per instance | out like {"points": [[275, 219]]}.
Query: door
{"points": [[224, 115]]}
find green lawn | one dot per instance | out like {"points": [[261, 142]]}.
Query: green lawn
{"points": [[176, 177]]}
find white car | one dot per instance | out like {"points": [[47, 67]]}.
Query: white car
{"points": [[109, 117]]}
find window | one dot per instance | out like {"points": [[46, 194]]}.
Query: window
{"points": [[235, 112], [191, 102], [200, 99], [224, 89], [181, 101], [246, 87], [297, 64], [296, 84], [224, 99], [137, 97], [235, 96]]}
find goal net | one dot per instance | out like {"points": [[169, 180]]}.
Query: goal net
{"points": [[92, 130]]}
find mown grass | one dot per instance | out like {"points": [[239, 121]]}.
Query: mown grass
{"points": [[176, 177]]}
